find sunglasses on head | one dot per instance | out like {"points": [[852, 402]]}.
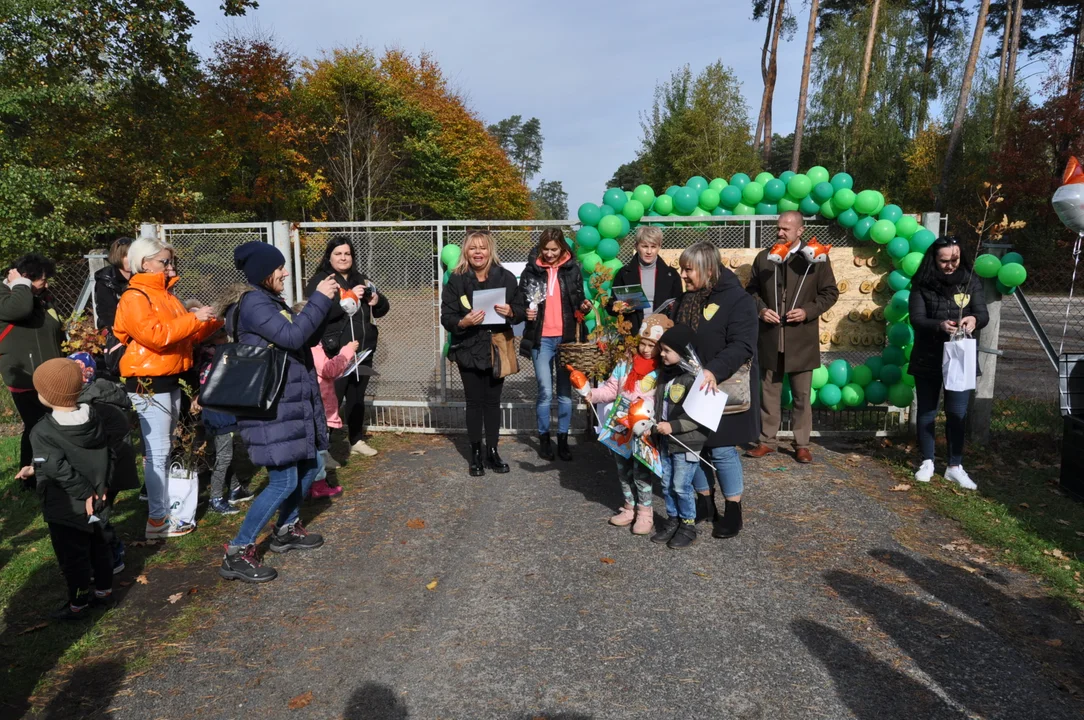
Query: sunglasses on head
{"points": [[947, 241]]}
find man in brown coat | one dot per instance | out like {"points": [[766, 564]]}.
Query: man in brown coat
{"points": [[789, 340]]}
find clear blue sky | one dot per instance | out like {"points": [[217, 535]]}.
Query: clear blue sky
{"points": [[584, 70]]}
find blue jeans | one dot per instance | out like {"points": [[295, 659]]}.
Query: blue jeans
{"points": [[544, 357], [677, 486], [727, 464], [158, 415], [287, 485], [927, 391]]}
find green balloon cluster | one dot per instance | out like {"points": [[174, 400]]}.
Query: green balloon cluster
{"points": [[879, 380]]}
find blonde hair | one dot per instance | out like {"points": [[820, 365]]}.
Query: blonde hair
{"points": [[484, 236], [143, 248], [704, 259], [648, 234]]}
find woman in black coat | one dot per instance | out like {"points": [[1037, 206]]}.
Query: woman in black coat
{"points": [[553, 274], [724, 316], [659, 281], [338, 262], [944, 277], [110, 282], [471, 348]]}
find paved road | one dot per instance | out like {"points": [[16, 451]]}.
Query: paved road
{"points": [[836, 602]]}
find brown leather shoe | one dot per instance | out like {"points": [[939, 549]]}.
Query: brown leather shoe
{"points": [[803, 455], [760, 451]]}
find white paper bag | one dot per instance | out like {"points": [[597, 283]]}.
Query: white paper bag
{"points": [[958, 364], [183, 493]]}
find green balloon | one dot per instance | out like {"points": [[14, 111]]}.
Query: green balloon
{"points": [[818, 174], [839, 372], [589, 214], [609, 226], [633, 210], [697, 183], [901, 395], [865, 202], [898, 247], [614, 265], [664, 205], [828, 210], [1012, 257], [644, 195], [891, 374], [774, 190], [721, 211], [743, 209], [987, 265], [788, 204], [588, 237], [764, 177], [892, 355], [672, 189], [812, 397], [799, 186], [1003, 288], [786, 175], [700, 212], [709, 199], [853, 395], [752, 193], [892, 213], [900, 300], [717, 184], [808, 206], [909, 264], [880, 202], [906, 226], [822, 192], [848, 218], [862, 229], [740, 180], [894, 314], [626, 226], [898, 281], [615, 198], [766, 208], [606, 210], [447, 276], [921, 240], [786, 395], [841, 181], [861, 375], [882, 232], [820, 377], [875, 363], [830, 394], [449, 255], [899, 335], [628, 194], [608, 248], [1012, 275], [730, 196], [843, 199], [908, 379], [876, 392], [589, 262], [685, 201]]}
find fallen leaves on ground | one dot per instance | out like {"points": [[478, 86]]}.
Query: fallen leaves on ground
{"points": [[142, 579], [902, 487], [415, 524], [417, 452], [608, 561], [175, 597], [1055, 553], [432, 585], [301, 701]]}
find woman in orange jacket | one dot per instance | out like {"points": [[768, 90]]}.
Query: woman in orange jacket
{"points": [[160, 336]]}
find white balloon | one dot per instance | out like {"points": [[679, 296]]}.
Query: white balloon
{"points": [[1068, 203], [349, 305]]}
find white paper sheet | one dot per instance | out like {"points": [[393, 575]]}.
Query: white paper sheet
{"points": [[704, 406], [488, 300], [358, 360]]}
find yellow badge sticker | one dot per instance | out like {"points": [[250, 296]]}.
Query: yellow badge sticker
{"points": [[53, 313], [676, 393], [286, 314], [962, 299], [710, 310], [463, 300], [647, 384]]}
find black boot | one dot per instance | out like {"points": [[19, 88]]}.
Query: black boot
{"points": [[730, 523], [705, 507], [477, 469], [545, 449], [666, 530], [494, 460], [684, 537], [562, 447]]}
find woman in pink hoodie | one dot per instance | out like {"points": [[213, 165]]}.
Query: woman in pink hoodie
{"points": [[328, 370]]}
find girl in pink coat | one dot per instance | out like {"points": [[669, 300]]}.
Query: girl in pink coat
{"points": [[328, 370]]}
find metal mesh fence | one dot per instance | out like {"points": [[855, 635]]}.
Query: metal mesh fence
{"points": [[67, 285], [204, 256]]}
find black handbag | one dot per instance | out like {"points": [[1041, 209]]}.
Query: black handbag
{"points": [[244, 380]]}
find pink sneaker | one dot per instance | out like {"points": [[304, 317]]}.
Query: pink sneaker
{"points": [[624, 517], [320, 489], [645, 520]]}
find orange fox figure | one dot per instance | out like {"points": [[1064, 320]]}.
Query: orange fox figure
{"points": [[778, 253], [348, 301], [814, 252], [579, 380]]}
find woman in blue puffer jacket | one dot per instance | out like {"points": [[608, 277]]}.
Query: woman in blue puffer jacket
{"points": [[287, 444]]}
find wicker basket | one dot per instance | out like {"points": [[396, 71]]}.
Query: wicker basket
{"points": [[584, 355]]}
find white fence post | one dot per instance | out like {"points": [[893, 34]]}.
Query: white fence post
{"points": [[279, 236], [295, 243]]}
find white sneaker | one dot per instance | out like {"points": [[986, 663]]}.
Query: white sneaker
{"points": [[959, 476], [925, 471], [330, 463], [362, 448]]}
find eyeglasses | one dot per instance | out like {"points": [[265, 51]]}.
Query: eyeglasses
{"points": [[947, 240], [166, 263]]}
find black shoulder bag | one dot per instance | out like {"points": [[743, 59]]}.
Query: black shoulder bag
{"points": [[244, 380]]}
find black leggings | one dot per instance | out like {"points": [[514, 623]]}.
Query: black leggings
{"points": [[30, 410], [483, 393], [351, 393], [80, 555]]}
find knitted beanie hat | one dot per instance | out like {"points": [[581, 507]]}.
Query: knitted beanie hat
{"points": [[257, 260], [654, 326], [678, 338], [59, 382]]}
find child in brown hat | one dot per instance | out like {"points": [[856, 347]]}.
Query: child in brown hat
{"points": [[71, 466]]}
